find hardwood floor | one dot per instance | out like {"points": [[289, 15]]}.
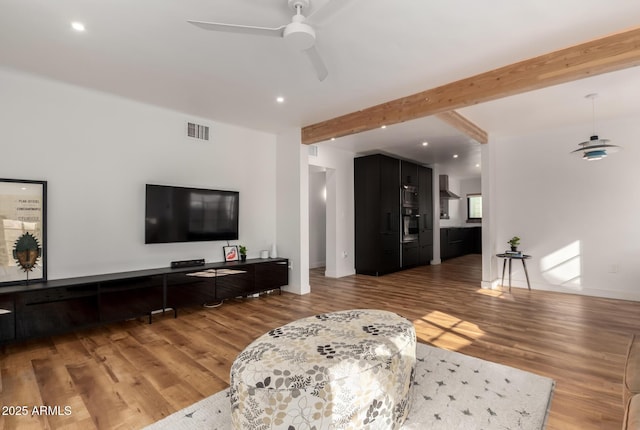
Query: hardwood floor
{"points": [[128, 375]]}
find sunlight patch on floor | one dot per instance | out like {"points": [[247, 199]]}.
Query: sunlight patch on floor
{"points": [[446, 331], [500, 292], [492, 293]]}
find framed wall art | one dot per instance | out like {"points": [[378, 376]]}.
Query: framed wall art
{"points": [[23, 231], [230, 253]]}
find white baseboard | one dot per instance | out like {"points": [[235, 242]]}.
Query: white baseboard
{"points": [[331, 274], [592, 292]]}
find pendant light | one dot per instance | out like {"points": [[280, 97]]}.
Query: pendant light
{"points": [[595, 148]]}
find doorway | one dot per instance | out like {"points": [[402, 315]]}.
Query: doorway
{"points": [[317, 217]]}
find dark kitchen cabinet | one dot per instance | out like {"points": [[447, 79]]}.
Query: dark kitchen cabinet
{"points": [[474, 245], [409, 173], [385, 218], [410, 254], [425, 208], [377, 214], [458, 241]]}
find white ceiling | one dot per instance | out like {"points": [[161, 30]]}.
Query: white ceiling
{"points": [[375, 50]]}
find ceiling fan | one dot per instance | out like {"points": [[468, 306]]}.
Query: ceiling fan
{"points": [[299, 33]]}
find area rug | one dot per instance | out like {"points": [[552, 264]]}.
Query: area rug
{"points": [[451, 391]]}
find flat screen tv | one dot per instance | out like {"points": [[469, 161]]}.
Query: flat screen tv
{"points": [[179, 214]]}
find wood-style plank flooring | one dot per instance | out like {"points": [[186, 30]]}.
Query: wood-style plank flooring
{"points": [[128, 375]]}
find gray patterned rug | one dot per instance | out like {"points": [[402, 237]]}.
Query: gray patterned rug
{"points": [[451, 391]]}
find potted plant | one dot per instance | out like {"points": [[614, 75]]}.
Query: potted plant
{"points": [[243, 252], [514, 242]]}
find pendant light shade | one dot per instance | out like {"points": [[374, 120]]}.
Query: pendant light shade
{"points": [[595, 148]]}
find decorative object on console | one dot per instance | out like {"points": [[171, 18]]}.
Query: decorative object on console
{"points": [[230, 253], [514, 242], [27, 252], [264, 254], [274, 252], [243, 252], [23, 211]]}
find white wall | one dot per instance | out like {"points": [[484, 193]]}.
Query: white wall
{"points": [[578, 219], [317, 218], [489, 263], [292, 208], [98, 151], [340, 209]]}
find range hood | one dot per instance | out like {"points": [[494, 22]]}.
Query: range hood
{"points": [[444, 189]]}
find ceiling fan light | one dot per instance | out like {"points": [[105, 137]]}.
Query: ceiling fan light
{"points": [[299, 36]]}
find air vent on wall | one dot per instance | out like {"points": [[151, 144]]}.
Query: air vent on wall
{"points": [[313, 150], [197, 131]]}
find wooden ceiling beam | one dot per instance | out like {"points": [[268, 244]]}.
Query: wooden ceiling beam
{"points": [[604, 55], [464, 125]]}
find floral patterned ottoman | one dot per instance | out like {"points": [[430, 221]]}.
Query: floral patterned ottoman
{"points": [[341, 370]]}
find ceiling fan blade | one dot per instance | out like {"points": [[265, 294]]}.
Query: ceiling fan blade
{"points": [[243, 29], [317, 63]]}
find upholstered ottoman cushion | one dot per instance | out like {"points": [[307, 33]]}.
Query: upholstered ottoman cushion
{"points": [[342, 370]]}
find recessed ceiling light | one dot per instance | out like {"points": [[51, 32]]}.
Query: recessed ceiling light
{"points": [[384, 126], [478, 165], [280, 99], [333, 138], [77, 26], [425, 143], [455, 155]]}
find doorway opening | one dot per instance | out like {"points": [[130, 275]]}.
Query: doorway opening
{"points": [[317, 217]]}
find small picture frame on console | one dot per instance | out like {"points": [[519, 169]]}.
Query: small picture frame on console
{"points": [[230, 253]]}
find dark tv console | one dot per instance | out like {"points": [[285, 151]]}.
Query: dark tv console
{"points": [[62, 305]]}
